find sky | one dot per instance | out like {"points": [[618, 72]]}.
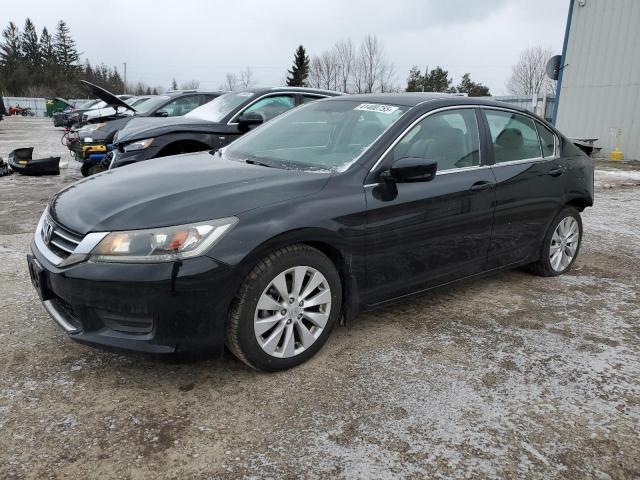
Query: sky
{"points": [[203, 40]]}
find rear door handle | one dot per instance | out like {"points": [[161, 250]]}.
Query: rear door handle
{"points": [[480, 186], [556, 171]]}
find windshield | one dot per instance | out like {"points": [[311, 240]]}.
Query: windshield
{"points": [[153, 103], [324, 135], [86, 105], [135, 101], [220, 107]]}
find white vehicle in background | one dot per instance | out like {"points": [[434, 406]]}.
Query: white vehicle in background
{"points": [[102, 109]]}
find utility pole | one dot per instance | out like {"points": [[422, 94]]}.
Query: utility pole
{"points": [[125, 77]]}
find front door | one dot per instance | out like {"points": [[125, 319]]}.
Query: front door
{"points": [[425, 234]]}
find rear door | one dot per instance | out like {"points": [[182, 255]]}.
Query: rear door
{"points": [[530, 184]]}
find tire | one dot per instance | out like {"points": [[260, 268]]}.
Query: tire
{"points": [[88, 169], [280, 340], [546, 266]]}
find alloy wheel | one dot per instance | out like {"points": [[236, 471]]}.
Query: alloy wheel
{"points": [[292, 312], [564, 244]]}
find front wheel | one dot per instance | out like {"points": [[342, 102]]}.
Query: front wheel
{"points": [[285, 309], [561, 245]]}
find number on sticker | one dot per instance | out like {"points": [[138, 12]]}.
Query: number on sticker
{"points": [[375, 107]]}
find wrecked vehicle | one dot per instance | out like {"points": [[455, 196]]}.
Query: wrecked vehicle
{"points": [[208, 127], [96, 138], [338, 206], [72, 115]]}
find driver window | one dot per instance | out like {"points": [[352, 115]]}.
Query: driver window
{"points": [[271, 107], [450, 138]]}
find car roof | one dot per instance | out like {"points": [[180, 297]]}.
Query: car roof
{"points": [[176, 93], [411, 99], [260, 90]]}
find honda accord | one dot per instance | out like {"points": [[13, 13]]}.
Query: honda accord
{"points": [[338, 206]]}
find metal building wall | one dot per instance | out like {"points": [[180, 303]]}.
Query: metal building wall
{"points": [[600, 91]]}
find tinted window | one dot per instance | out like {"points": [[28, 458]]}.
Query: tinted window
{"points": [[450, 138], [547, 139], [271, 107], [514, 136]]}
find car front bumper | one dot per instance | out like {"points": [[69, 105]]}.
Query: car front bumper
{"points": [[154, 308]]}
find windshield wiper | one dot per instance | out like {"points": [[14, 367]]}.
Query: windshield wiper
{"points": [[257, 162]]}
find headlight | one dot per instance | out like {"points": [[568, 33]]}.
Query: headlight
{"points": [[91, 128], [139, 145], [164, 244]]}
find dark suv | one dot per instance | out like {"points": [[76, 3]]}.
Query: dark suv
{"points": [[210, 126]]}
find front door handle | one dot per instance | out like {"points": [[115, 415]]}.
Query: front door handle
{"points": [[480, 186], [556, 171]]}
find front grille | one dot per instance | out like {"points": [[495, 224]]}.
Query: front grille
{"points": [[61, 241]]}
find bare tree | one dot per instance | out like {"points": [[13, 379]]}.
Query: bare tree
{"points": [[246, 78], [372, 73], [529, 75], [323, 71], [230, 82], [345, 60], [190, 85]]}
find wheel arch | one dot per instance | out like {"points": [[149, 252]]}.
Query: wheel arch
{"points": [[331, 245], [175, 146]]}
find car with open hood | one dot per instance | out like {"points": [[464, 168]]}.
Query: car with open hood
{"points": [[96, 138], [209, 126], [341, 205]]}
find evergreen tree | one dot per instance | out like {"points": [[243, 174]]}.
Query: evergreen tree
{"points": [[300, 69], [174, 84], [155, 91], [437, 80], [472, 88], [29, 45], [415, 81], [47, 51], [67, 55], [11, 47]]}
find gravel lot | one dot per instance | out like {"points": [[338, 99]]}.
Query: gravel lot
{"points": [[513, 376]]}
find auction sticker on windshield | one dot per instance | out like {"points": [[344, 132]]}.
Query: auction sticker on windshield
{"points": [[374, 107]]}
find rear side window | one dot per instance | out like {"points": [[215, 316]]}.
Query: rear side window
{"points": [[514, 136], [450, 138], [547, 140]]}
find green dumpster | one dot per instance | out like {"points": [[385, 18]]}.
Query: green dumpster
{"points": [[56, 105]]}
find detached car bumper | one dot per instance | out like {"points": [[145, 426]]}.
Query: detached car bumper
{"points": [[155, 308]]}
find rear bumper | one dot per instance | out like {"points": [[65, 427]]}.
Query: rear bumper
{"points": [[153, 308]]}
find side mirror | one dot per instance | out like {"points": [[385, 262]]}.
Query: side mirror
{"points": [[410, 169], [248, 120], [161, 113]]}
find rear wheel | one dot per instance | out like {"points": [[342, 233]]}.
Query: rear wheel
{"points": [[285, 309], [561, 245]]}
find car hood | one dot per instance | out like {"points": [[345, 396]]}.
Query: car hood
{"points": [[106, 96], [107, 131], [176, 190], [150, 127]]}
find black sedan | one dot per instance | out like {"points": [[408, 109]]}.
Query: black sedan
{"points": [[340, 205], [210, 126]]}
